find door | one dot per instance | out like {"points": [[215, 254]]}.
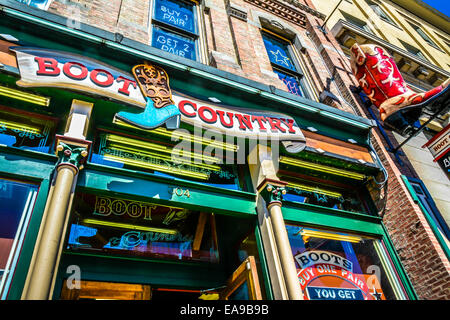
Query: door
{"points": [[243, 284]]}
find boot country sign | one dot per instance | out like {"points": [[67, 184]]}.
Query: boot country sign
{"points": [[148, 89]]}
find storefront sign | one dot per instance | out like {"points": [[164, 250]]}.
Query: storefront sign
{"points": [[238, 122], [444, 163], [310, 258], [325, 275], [439, 145], [48, 68]]}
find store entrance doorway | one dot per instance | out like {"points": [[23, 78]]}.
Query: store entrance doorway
{"points": [[243, 284]]}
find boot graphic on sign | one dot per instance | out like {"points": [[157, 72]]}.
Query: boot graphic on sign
{"points": [[160, 109], [383, 84]]}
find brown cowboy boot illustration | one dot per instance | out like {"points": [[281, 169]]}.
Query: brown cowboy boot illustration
{"points": [[383, 84], [160, 109]]}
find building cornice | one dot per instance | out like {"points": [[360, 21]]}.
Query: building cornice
{"points": [[344, 29]]}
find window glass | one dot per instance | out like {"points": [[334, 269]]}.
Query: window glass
{"points": [[357, 22], [17, 200], [174, 28], [380, 12], [25, 131], [280, 57], [174, 43], [339, 266], [156, 157], [330, 196], [41, 4], [125, 227], [424, 36], [291, 83], [278, 52], [176, 13]]}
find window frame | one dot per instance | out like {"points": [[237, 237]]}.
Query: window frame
{"points": [[196, 36], [381, 13], [424, 35], [29, 3], [298, 73]]}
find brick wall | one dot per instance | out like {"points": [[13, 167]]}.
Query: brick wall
{"points": [[234, 44]]}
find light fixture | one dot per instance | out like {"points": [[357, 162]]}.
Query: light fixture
{"points": [[162, 168], [308, 233], [314, 189], [20, 127], [322, 168], [136, 146], [174, 134], [24, 96], [128, 226]]}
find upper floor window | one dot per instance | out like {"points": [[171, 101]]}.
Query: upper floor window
{"points": [[357, 22], [175, 28], [40, 4], [281, 57], [424, 36], [413, 50], [380, 13]]}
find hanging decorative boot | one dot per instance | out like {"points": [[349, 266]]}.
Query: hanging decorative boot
{"points": [[160, 109], [383, 84]]}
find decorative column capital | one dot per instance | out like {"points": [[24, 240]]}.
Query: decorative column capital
{"points": [[272, 191], [72, 152]]}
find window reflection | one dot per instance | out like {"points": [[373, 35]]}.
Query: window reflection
{"points": [[161, 159], [134, 228], [338, 266], [17, 201], [25, 131]]}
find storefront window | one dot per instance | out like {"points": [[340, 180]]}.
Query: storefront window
{"points": [[162, 159], [325, 196], [116, 226], [17, 201], [341, 266], [25, 131]]}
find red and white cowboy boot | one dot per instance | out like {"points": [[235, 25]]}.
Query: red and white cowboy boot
{"points": [[383, 84]]}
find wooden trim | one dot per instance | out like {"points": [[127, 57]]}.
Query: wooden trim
{"points": [[339, 147], [246, 272], [6, 57], [106, 290], [199, 231]]}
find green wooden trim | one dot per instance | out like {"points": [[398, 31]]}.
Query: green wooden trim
{"points": [[110, 269], [23, 164], [313, 215], [26, 253], [152, 188], [430, 220], [392, 253], [263, 262]]}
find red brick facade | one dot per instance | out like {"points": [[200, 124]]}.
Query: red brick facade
{"points": [[234, 44]]}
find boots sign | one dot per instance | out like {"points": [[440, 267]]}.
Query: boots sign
{"points": [[148, 89]]}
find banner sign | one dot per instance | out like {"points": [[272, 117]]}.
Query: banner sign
{"points": [[237, 121], [48, 68]]}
